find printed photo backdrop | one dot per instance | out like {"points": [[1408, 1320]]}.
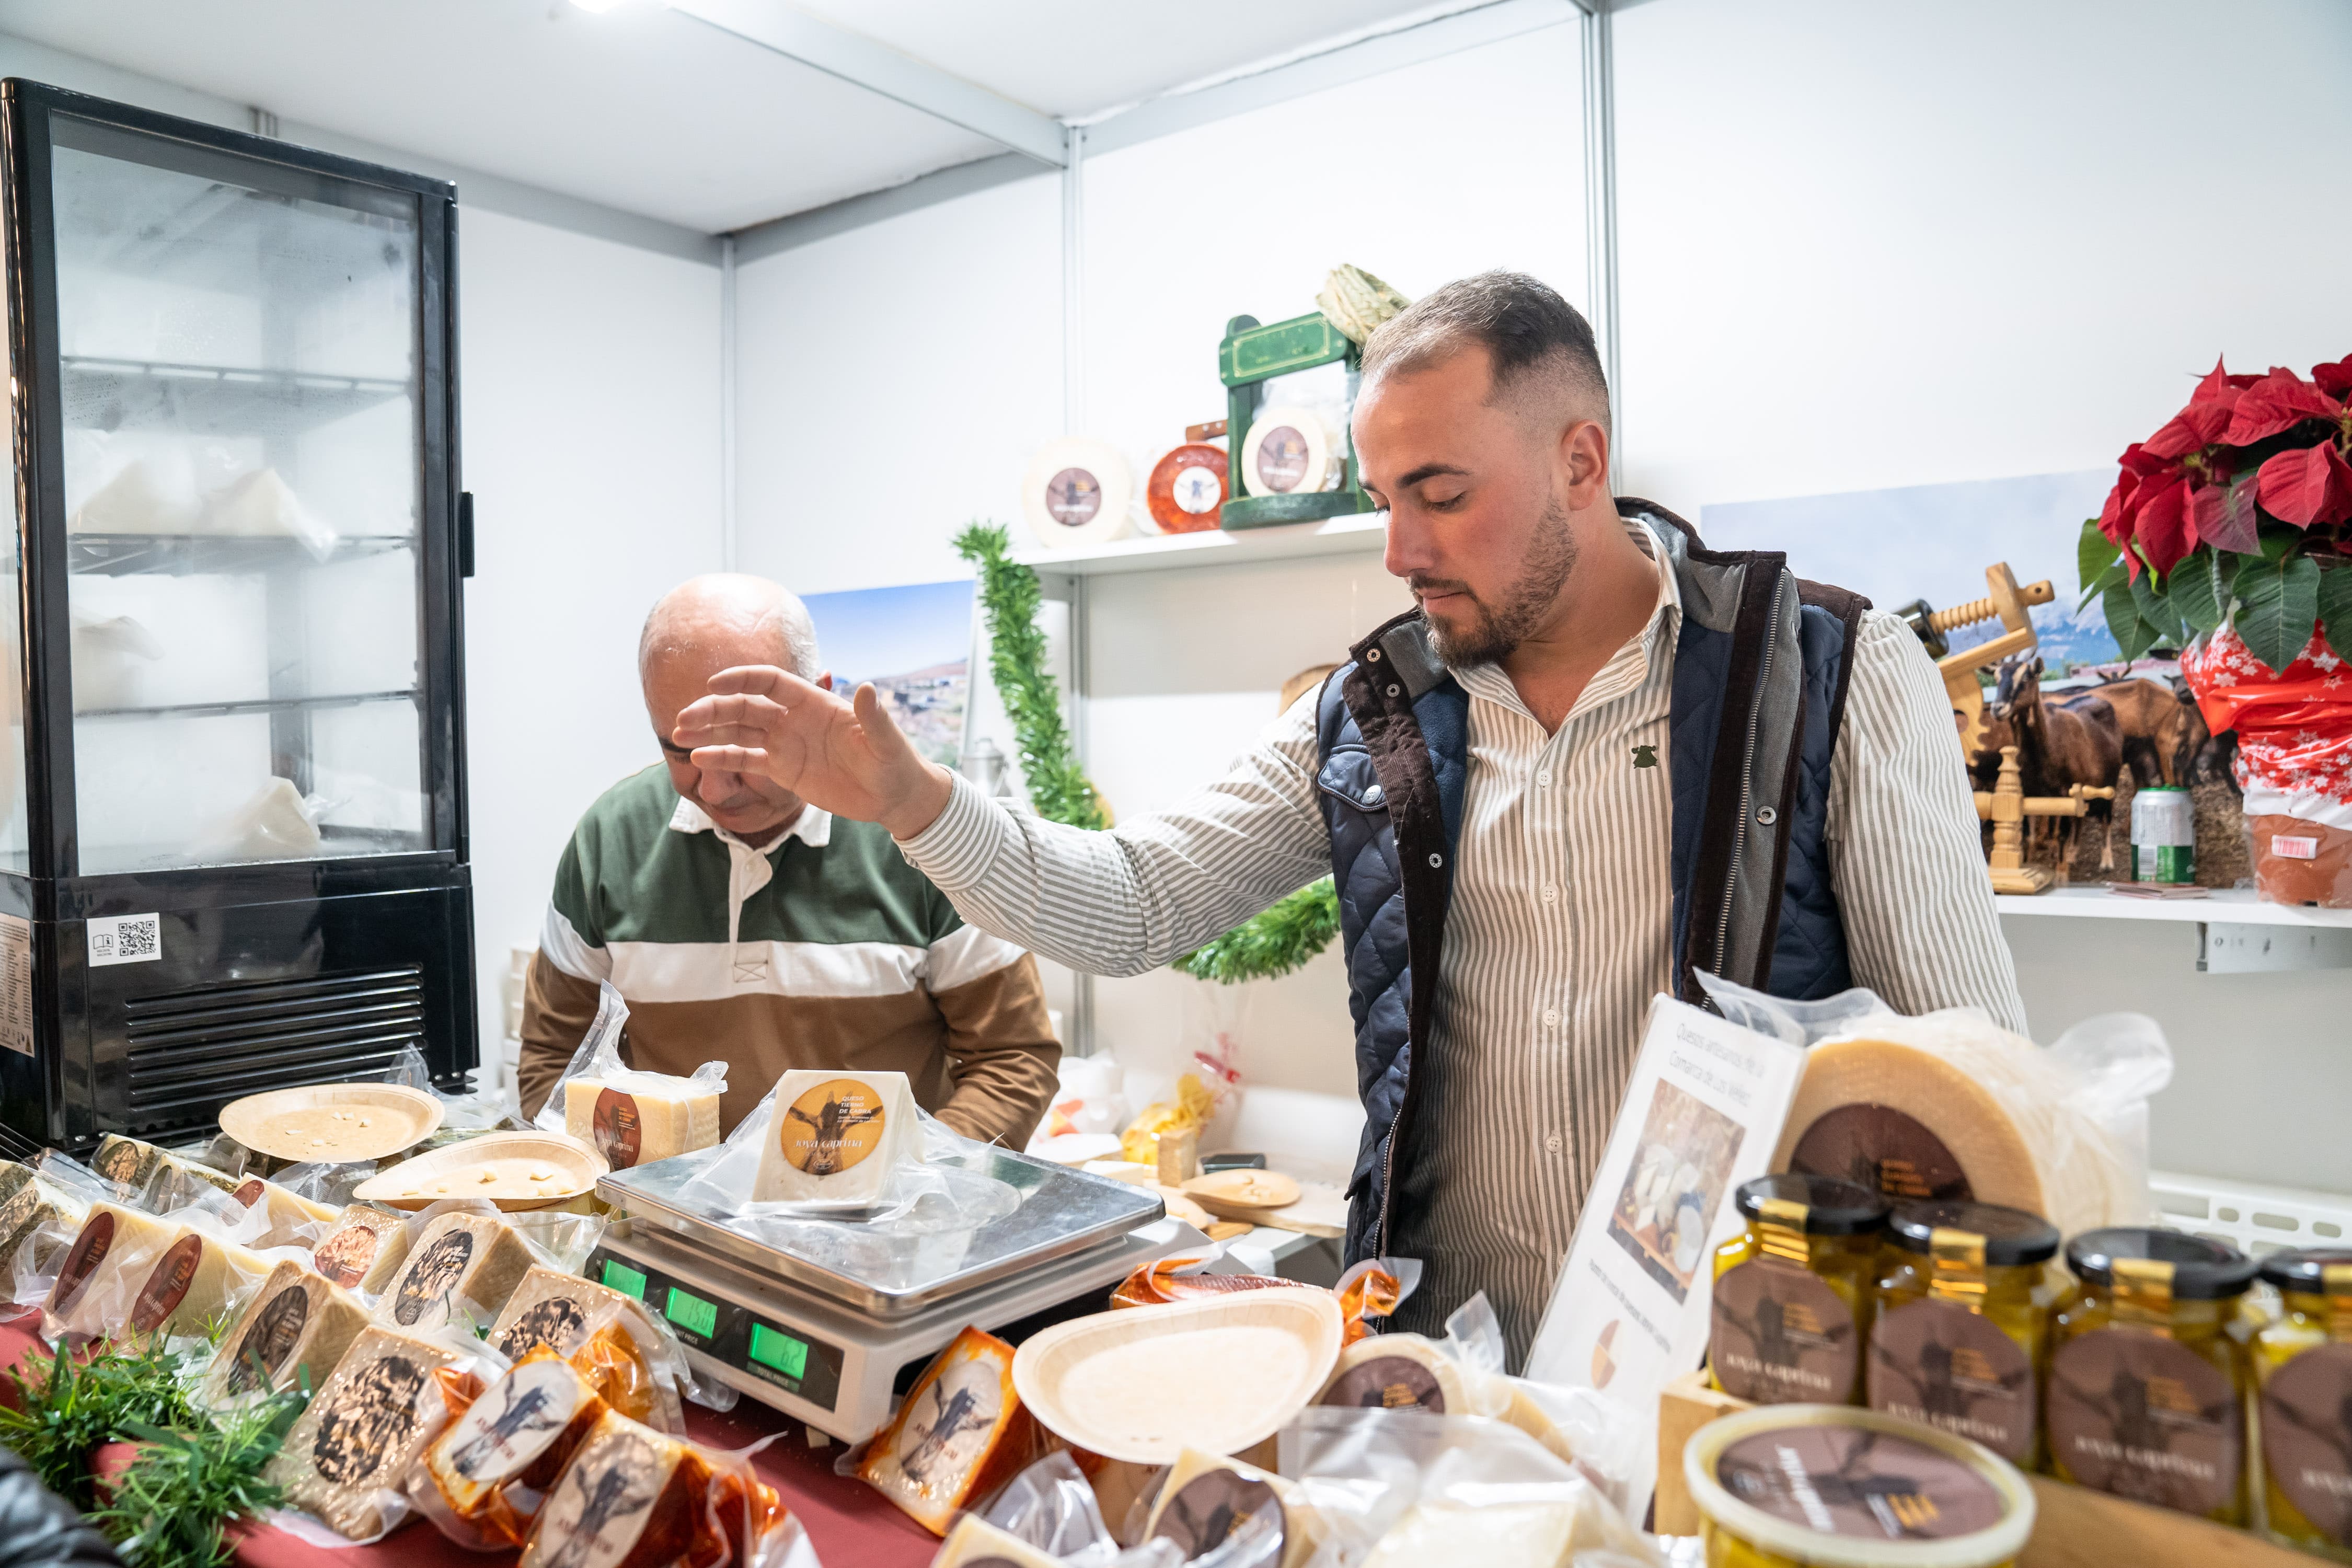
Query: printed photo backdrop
{"points": [[914, 643]]}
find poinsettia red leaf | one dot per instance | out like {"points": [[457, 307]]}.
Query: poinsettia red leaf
{"points": [[2278, 403], [2209, 507], [2161, 531], [2138, 459], [2235, 527], [2199, 425], [2114, 518], [2212, 384], [2311, 487], [2334, 380]]}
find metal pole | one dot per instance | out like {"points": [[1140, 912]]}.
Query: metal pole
{"points": [[1074, 370], [727, 403], [1601, 210]]}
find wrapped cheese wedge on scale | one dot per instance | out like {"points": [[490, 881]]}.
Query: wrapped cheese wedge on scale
{"points": [[364, 1250], [637, 1117], [344, 1459], [836, 1137], [1208, 1499], [458, 1259], [563, 1311], [494, 1466], [960, 1434], [298, 1323]]}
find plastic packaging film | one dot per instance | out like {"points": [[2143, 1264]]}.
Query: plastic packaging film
{"points": [[630, 1118]]}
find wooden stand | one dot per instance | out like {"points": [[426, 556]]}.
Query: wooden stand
{"points": [[2009, 602], [2073, 1527], [2007, 805]]}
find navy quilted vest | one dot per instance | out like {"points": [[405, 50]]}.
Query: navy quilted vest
{"points": [[1759, 690]]}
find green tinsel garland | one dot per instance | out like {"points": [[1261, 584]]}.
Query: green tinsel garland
{"points": [[1273, 943]]}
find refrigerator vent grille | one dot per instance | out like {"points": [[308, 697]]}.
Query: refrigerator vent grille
{"points": [[192, 1051]]}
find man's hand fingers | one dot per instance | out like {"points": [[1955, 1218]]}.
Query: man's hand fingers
{"points": [[882, 733], [723, 721], [730, 759], [765, 680]]}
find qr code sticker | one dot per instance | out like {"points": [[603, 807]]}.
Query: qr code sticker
{"points": [[126, 938]]}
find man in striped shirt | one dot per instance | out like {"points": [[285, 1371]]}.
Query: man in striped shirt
{"points": [[742, 923], [1595, 760]]}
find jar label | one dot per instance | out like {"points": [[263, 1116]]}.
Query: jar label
{"points": [[1938, 1363], [2307, 1436], [1878, 1147], [1854, 1482], [1783, 1336], [2140, 1417]]}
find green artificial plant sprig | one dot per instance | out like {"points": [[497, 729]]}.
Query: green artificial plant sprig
{"points": [[65, 1409], [1058, 788], [1272, 944], [168, 1509]]}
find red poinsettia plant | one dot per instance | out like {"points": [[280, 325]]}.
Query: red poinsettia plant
{"points": [[2238, 512]]}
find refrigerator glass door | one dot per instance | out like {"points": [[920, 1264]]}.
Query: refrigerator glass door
{"points": [[240, 385]]}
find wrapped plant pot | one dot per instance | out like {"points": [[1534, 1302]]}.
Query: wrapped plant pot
{"points": [[2295, 761]]}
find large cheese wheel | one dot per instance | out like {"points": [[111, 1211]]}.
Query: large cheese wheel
{"points": [[363, 1431], [630, 1498], [296, 1326], [1392, 1371], [364, 1250], [495, 1462], [836, 1135], [640, 1119], [1907, 1122], [459, 1261], [1208, 1497], [960, 1432]]}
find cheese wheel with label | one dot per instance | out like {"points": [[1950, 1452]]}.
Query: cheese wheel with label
{"points": [[1393, 1372], [836, 1135], [976, 1544], [631, 1498], [641, 1119], [461, 1263], [495, 1463], [298, 1324], [364, 1250], [960, 1434], [1907, 1123], [364, 1428], [563, 1311], [1207, 1498]]}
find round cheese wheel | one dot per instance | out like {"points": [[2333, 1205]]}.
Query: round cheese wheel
{"points": [[1288, 451], [1187, 489], [1905, 1122], [1392, 1371], [1075, 493]]}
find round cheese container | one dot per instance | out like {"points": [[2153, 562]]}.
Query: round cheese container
{"points": [[1962, 1325], [1828, 1486], [2303, 1363], [1793, 1292], [2147, 1391]]}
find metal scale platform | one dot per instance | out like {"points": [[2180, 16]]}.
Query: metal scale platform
{"points": [[829, 1342]]}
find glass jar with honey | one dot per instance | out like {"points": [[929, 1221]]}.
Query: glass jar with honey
{"points": [[1793, 1292], [2303, 1364]]}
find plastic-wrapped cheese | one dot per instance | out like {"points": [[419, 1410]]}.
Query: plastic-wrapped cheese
{"points": [[289, 1218], [495, 1463], [459, 1258], [960, 1432], [33, 1216], [364, 1250], [363, 1429], [631, 1498], [297, 1324], [1499, 1535], [836, 1135], [561, 1311], [642, 1118], [976, 1544], [111, 1236], [1207, 1498], [198, 1279], [126, 1161], [1390, 1372]]}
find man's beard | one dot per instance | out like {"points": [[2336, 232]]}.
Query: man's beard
{"points": [[1500, 629]]}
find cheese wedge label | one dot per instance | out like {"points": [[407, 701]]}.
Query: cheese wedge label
{"points": [[604, 1503], [1208, 1508], [349, 1256], [617, 1128], [90, 1249], [249, 1192], [555, 1322], [1878, 1147], [167, 1284], [431, 1275], [371, 1419], [1387, 1382], [514, 1423], [271, 1339], [831, 1128]]}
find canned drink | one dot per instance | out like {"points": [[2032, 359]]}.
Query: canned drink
{"points": [[2163, 835]]}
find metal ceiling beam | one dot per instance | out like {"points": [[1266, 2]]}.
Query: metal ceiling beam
{"points": [[862, 62], [1600, 206]]}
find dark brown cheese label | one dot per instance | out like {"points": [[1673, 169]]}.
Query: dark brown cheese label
{"points": [[1388, 1383], [1856, 1483], [618, 1127], [1878, 1147], [1783, 1336], [1940, 1363], [431, 1275], [1213, 1506], [276, 1329], [167, 1284], [250, 1193], [513, 1424], [90, 1249], [369, 1422], [555, 1322], [2135, 1414], [2307, 1436], [346, 1256]]}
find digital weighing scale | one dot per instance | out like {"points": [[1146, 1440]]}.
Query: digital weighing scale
{"points": [[829, 1340]]}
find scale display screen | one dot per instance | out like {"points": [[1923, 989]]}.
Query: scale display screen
{"points": [[728, 1332]]}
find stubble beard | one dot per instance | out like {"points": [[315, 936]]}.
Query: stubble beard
{"points": [[1500, 628]]}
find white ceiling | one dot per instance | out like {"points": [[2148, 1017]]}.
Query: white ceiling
{"points": [[654, 112]]}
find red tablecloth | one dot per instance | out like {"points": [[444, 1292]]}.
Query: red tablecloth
{"points": [[849, 1523]]}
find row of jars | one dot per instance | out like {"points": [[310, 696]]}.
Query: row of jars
{"points": [[2149, 1373]]}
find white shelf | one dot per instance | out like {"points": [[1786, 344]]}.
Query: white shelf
{"points": [[2223, 906], [1358, 533]]}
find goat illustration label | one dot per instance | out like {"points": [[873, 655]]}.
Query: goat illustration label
{"points": [[831, 1127]]}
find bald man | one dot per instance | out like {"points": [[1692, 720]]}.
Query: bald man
{"points": [[743, 924]]}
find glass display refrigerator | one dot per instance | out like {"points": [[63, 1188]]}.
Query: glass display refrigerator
{"points": [[235, 854]]}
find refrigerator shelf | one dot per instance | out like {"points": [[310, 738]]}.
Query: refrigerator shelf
{"points": [[210, 400], [189, 554], [255, 705]]}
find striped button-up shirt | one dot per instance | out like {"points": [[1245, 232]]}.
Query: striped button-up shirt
{"points": [[1561, 928]]}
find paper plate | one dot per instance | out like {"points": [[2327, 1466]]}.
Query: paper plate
{"points": [[1144, 1384], [515, 1170], [335, 1122], [1242, 1195]]}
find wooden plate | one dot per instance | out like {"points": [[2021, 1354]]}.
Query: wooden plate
{"points": [[1242, 1195], [515, 1170], [1144, 1384], [336, 1122]]}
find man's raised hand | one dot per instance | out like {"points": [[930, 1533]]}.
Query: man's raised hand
{"points": [[848, 758]]}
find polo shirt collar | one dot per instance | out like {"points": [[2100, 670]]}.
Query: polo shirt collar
{"points": [[813, 827]]}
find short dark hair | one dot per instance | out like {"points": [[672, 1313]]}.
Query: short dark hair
{"points": [[1525, 326]]}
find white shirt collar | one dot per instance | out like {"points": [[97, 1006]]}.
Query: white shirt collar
{"points": [[813, 827]]}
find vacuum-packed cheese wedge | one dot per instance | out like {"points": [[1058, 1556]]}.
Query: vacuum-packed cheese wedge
{"points": [[630, 1498], [33, 1216], [976, 1544], [467, 1257], [643, 1118], [363, 1429], [126, 1161], [495, 1463], [13, 1178], [198, 1279], [836, 1136], [960, 1432], [110, 1234], [1207, 1498], [298, 1323], [1392, 1371], [364, 1250], [1499, 1535], [292, 1218], [1528, 1416], [561, 1311]]}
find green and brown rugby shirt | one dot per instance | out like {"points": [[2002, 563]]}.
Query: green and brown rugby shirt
{"points": [[825, 950]]}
